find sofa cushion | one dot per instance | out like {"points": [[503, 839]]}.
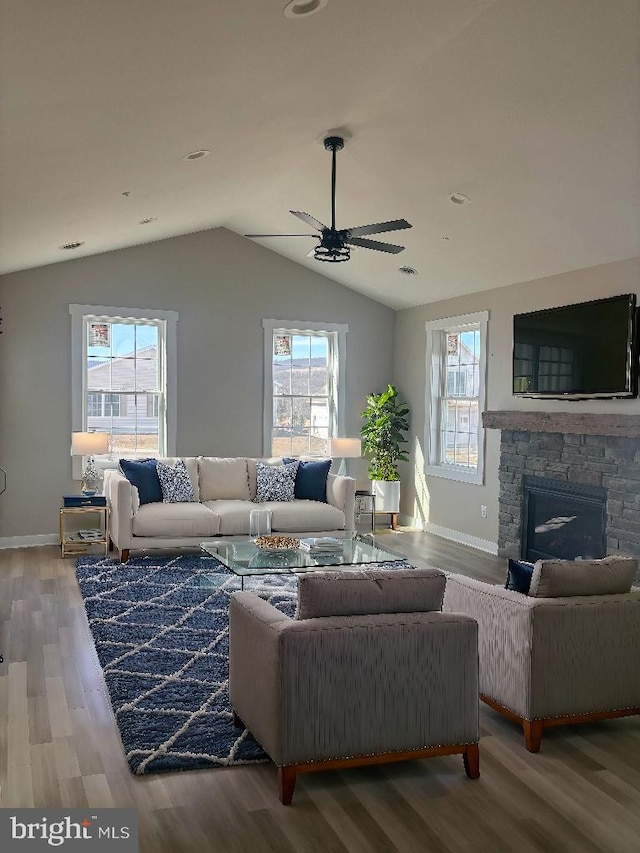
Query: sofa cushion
{"points": [[223, 478], [175, 519], [233, 516], [559, 578], [310, 516], [311, 479], [174, 482], [275, 482], [358, 593], [519, 575], [143, 474]]}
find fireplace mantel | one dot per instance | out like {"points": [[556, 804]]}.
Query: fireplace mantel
{"points": [[581, 423]]}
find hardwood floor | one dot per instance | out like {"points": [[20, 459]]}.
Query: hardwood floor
{"points": [[59, 746]]}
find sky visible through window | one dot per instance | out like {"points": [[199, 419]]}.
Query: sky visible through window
{"points": [[122, 340], [123, 358]]}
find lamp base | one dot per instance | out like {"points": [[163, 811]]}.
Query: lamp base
{"points": [[90, 478]]}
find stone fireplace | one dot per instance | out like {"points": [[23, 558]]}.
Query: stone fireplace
{"points": [[589, 464]]}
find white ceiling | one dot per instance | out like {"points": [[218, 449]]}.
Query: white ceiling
{"points": [[529, 107]]}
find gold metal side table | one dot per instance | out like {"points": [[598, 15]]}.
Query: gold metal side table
{"points": [[83, 528]]}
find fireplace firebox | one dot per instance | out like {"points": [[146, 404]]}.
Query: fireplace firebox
{"points": [[562, 520]]}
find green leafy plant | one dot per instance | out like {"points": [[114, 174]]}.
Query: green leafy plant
{"points": [[386, 420]]}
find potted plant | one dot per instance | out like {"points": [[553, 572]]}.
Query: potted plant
{"points": [[386, 420]]}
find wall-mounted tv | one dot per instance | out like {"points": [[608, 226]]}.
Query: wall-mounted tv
{"points": [[577, 351]]}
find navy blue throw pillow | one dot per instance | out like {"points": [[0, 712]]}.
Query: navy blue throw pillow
{"points": [[143, 474], [311, 479], [519, 576]]}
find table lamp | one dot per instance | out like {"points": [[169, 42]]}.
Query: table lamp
{"points": [[89, 444], [343, 449]]}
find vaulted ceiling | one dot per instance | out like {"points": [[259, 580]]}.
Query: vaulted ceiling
{"points": [[530, 109]]}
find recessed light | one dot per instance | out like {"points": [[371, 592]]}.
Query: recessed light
{"points": [[147, 220], [408, 271], [459, 198], [197, 155], [303, 8], [75, 245]]}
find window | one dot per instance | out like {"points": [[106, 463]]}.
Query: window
{"points": [[456, 366], [304, 368], [123, 377], [102, 405], [153, 405]]}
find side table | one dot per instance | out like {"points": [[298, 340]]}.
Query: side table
{"points": [[362, 496], [84, 522]]}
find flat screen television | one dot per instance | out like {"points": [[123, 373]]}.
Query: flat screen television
{"points": [[577, 351]]}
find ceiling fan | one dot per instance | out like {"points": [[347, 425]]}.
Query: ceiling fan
{"points": [[333, 245]]}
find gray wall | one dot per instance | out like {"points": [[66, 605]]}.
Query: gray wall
{"points": [[223, 286], [454, 505]]}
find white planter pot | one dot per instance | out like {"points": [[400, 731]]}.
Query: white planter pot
{"points": [[387, 494]]}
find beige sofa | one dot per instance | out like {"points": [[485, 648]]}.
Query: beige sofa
{"points": [[224, 491]]}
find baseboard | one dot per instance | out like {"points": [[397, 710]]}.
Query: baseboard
{"points": [[459, 537], [29, 541]]}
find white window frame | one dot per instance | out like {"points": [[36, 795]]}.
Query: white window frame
{"points": [[302, 327], [436, 376], [79, 315]]}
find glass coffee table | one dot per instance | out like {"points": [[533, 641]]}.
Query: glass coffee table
{"points": [[244, 559]]}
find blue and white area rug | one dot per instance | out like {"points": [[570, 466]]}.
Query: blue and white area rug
{"points": [[161, 628]]}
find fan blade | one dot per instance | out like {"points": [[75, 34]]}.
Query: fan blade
{"points": [[374, 244], [378, 228], [316, 236], [314, 223], [312, 253]]}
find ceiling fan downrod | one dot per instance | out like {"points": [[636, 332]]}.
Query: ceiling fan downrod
{"points": [[331, 248]]}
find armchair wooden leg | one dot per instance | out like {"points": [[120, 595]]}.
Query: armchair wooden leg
{"points": [[286, 783], [532, 734], [124, 555], [471, 759]]}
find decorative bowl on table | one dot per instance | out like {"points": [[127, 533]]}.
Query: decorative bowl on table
{"points": [[276, 544]]}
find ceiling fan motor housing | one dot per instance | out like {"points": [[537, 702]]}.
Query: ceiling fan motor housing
{"points": [[334, 143]]}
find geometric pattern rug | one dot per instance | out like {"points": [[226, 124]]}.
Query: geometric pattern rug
{"points": [[160, 626]]}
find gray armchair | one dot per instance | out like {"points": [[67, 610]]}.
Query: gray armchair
{"points": [[551, 657], [389, 677]]}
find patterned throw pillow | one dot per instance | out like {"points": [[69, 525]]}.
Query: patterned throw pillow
{"points": [[175, 483], [275, 482]]}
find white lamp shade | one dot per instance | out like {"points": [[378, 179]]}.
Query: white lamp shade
{"points": [[345, 448], [89, 443]]}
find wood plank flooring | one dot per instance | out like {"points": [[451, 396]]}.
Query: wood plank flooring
{"points": [[59, 746]]}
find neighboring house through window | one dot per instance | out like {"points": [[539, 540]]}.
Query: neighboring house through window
{"points": [[124, 377], [304, 386], [456, 375]]}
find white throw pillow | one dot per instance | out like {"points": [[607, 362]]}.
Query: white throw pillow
{"points": [[223, 478]]}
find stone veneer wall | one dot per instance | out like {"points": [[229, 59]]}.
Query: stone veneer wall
{"points": [[543, 449]]}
